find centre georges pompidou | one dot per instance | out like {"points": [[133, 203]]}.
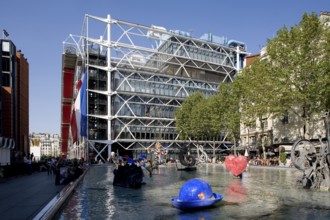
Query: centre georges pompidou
{"points": [[137, 76]]}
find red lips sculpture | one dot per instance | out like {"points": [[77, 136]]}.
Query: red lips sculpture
{"points": [[236, 164]]}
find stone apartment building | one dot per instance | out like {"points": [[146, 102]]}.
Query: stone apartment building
{"points": [[42, 144]]}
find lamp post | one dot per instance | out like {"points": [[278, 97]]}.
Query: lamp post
{"points": [[248, 128]]}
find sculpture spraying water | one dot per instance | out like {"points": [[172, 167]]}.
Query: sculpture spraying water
{"points": [[187, 161]]}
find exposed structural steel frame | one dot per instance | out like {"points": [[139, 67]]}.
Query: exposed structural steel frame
{"points": [[139, 75]]}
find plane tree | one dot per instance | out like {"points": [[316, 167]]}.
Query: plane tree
{"points": [[299, 57], [257, 96], [199, 122], [183, 115], [226, 112]]}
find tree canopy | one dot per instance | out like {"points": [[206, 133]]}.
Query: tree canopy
{"points": [[299, 57], [183, 115]]}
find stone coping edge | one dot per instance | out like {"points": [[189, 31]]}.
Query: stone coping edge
{"points": [[51, 209]]}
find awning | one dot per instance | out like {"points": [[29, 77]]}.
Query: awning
{"points": [[7, 143], [12, 144]]}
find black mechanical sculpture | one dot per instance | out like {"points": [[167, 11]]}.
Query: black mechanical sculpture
{"points": [[187, 160], [314, 160]]}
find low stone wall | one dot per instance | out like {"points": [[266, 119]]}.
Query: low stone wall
{"points": [[52, 208]]}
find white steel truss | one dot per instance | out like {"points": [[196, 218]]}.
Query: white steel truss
{"points": [[139, 75]]}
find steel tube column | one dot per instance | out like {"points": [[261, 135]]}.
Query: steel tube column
{"points": [[86, 142], [109, 80]]}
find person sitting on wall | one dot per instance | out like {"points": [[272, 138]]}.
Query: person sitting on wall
{"points": [[72, 173]]}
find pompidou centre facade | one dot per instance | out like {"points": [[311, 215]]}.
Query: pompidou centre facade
{"points": [[122, 83]]}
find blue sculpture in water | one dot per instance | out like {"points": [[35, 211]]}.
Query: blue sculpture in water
{"points": [[195, 193]]}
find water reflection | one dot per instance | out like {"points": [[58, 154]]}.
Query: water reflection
{"points": [[200, 215], [262, 193], [235, 192]]}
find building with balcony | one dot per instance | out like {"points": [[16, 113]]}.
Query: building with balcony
{"points": [[279, 132], [135, 78]]}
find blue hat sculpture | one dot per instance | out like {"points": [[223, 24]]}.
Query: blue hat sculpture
{"points": [[195, 193], [131, 161], [142, 157]]}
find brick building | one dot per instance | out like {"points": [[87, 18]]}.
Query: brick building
{"points": [[14, 103]]}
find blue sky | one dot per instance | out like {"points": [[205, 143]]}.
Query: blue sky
{"points": [[39, 27]]}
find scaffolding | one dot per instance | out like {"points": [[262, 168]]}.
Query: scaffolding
{"points": [[137, 76]]}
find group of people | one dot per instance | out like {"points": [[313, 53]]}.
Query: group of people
{"points": [[67, 171], [273, 161], [28, 162], [64, 171]]}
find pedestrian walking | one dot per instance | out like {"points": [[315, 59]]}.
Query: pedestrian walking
{"points": [[58, 173]]}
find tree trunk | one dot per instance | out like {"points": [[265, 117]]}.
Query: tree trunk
{"points": [[262, 139], [234, 139], [307, 134], [213, 147], [263, 148], [197, 147]]}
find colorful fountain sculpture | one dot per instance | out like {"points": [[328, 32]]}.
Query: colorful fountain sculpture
{"points": [[160, 153]]}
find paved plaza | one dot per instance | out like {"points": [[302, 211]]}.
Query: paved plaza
{"points": [[23, 197]]}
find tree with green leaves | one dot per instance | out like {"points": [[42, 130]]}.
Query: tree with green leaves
{"points": [[216, 119], [227, 105], [183, 115], [199, 122], [257, 99], [198, 118], [300, 60]]}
